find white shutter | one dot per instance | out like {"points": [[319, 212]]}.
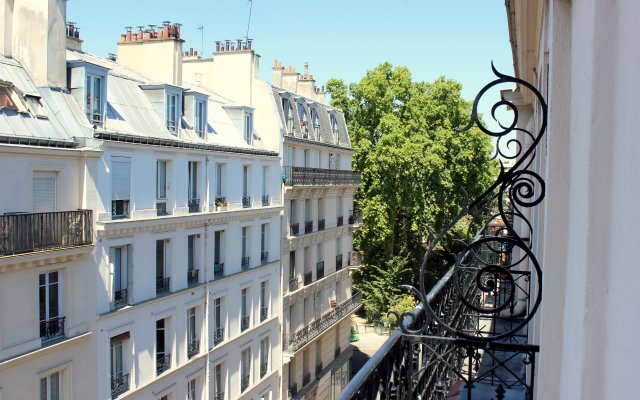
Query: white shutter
{"points": [[44, 191], [120, 178]]}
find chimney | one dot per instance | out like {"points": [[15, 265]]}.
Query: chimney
{"points": [[6, 26], [277, 74], [73, 37], [306, 84], [156, 55], [38, 38], [290, 79]]}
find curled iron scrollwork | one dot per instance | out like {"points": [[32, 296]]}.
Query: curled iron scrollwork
{"points": [[497, 273]]}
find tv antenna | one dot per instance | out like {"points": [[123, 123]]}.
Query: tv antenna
{"points": [[249, 21], [201, 29]]}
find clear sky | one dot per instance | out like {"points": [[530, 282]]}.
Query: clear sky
{"points": [[340, 39]]}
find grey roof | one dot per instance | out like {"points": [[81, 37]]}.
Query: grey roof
{"points": [[323, 110]]}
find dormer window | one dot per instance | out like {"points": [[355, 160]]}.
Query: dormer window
{"points": [[302, 116], [334, 128], [288, 116], [315, 124], [248, 127], [200, 118], [172, 113], [6, 100], [94, 98]]}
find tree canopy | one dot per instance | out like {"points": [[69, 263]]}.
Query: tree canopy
{"points": [[415, 168]]}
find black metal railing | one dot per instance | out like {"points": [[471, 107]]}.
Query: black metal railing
{"points": [[321, 224], [264, 313], [163, 363], [21, 233], [193, 348], [218, 336], [340, 221], [218, 270], [194, 205], [193, 276], [294, 284], [294, 176], [219, 395], [355, 217], [293, 389], [246, 201], [319, 270], [308, 227], [244, 383], [244, 323], [245, 263], [119, 384], [163, 285], [339, 264], [266, 200], [306, 378], [355, 259], [337, 351], [318, 369], [120, 299], [308, 278], [263, 369], [52, 328], [119, 209], [264, 257], [303, 336], [294, 229]]}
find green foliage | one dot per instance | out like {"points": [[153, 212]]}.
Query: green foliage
{"points": [[400, 304], [414, 166]]}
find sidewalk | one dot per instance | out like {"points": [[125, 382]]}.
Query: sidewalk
{"points": [[367, 346]]}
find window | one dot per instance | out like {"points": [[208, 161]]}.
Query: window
{"points": [[191, 389], [246, 199], [316, 125], [93, 92], [50, 296], [218, 321], [264, 253], [245, 241], [245, 369], [50, 387], [119, 378], [306, 375], [119, 265], [194, 201], [172, 113], [161, 187], [264, 305], [264, 356], [200, 121], [120, 186], [244, 310], [163, 357], [219, 180], [193, 344], [248, 127], [218, 253], [44, 191], [219, 381], [302, 116], [292, 265], [307, 160], [265, 192], [162, 280], [334, 127], [6, 98], [288, 116]]}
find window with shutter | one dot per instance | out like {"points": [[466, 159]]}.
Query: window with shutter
{"points": [[120, 186], [44, 191]]}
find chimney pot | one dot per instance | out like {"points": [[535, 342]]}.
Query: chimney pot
{"points": [[191, 51], [227, 45], [249, 43], [217, 46], [239, 47]]}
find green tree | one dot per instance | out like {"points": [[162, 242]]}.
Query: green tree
{"points": [[415, 169]]}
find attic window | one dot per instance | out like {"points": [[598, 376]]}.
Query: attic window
{"points": [[288, 116], [315, 124], [302, 116], [6, 100], [200, 121], [35, 106], [172, 113], [248, 127], [334, 128], [94, 89]]}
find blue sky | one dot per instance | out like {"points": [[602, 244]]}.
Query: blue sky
{"points": [[339, 39]]}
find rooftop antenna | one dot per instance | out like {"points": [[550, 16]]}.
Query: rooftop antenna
{"points": [[201, 29], [249, 22]]}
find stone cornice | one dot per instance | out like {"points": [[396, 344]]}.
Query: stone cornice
{"points": [[43, 258]]}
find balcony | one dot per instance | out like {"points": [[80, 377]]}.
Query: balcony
{"points": [[218, 270], [264, 313], [303, 176], [194, 205], [119, 209], [52, 328], [294, 229], [163, 363], [120, 299], [244, 323], [321, 224], [119, 384], [219, 395], [245, 263], [193, 348], [264, 257], [355, 259], [163, 285], [355, 217], [318, 369], [320, 270], [340, 221], [263, 369], [308, 278], [218, 336], [305, 335], [246, 201], [266, 200], [306, 378], [221, 203], [244, 383], [294, 284], [308, 227], [193, 276], [22, 233], [339, 264]]}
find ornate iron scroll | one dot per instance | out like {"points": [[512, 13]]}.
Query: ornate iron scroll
{"points": [[487, 274]]}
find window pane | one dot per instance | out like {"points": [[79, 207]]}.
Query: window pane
{"points": [[43, 389], [159, 258], [53, 300], [54, 385]]}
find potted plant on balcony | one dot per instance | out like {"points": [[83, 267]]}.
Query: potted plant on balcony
{"points": [[221, 204]]}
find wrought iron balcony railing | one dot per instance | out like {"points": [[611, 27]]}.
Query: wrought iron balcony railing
{"points": [[355, 259], [355, 217], [264, 313], [26, 232], [244, 323], [194, 205], [294, 229], [263, 370], [303, 336], [308, 227], [120, 299], [321, 224], [219, 395], [244, 383], [304, 176], [163, 363], [163, 285], [293, 389], [308, 278], [218, 270], [266, 200], [319, 270], [264, 257], [218, 336], [193, 276], [246, 201], [193, 348], [340, 221], [339, 264], [245, 263], [52, 328], [119, 209], [119, 384], [294, 284], [306, 378], [318, 369]]}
